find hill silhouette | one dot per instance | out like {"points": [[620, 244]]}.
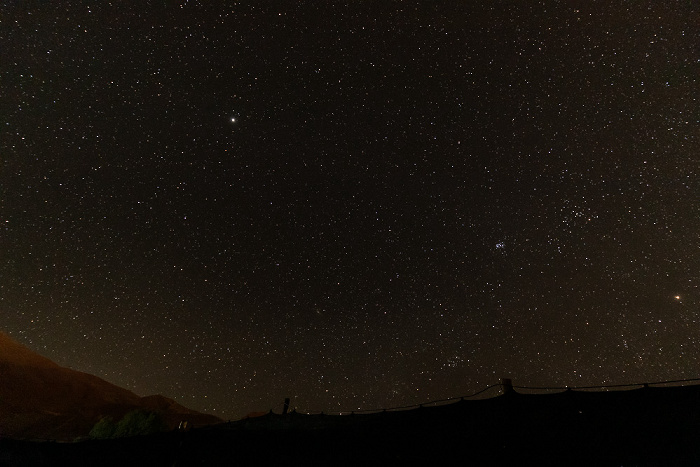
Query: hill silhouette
{"points": [[42, 400]]}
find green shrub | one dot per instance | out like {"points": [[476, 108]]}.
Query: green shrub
{"points": [[104, 429], [135, 423]]}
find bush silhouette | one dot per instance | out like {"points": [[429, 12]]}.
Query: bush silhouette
{"points": [[104, 429], [134, 423]]}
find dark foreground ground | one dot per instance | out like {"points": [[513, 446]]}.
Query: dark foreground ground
{"points": [[651, 426]]}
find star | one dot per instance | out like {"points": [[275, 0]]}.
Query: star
{"points": [[344, 206]]}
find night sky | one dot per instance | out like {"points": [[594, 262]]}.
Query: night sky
{"points": [[358, 205]]}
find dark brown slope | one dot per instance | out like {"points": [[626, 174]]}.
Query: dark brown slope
{"points": [[40, 399]]}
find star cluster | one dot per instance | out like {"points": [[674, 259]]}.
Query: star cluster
{"points": [[357, 205]]}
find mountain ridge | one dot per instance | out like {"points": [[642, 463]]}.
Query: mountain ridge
{"points": [[41, 399], [13, 351]]}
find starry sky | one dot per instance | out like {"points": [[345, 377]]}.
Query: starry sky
{"points": [[356, 204]]}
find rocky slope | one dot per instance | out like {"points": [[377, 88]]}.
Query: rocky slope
{"points": [[42, 400]]}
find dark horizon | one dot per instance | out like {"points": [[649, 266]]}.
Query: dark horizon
{"points": [[372, 204]]}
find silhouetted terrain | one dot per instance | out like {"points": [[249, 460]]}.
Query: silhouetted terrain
{"points": [[40, 399], [650, 426]]}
